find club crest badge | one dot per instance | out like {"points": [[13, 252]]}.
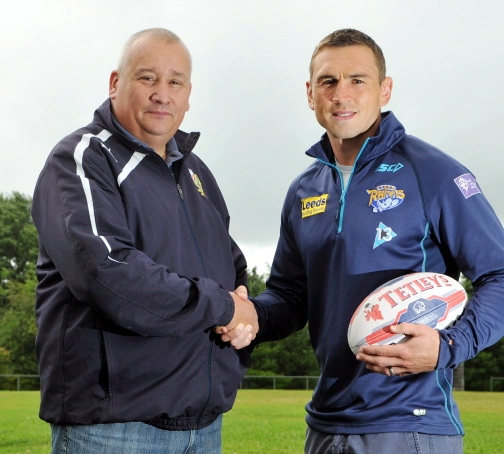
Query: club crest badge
{"points": [[197, 183], [385, 197]]}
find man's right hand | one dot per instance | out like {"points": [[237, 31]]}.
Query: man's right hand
{"points": [[244, 325]]}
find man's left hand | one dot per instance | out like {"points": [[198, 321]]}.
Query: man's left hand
{"points": [[419, 353]]}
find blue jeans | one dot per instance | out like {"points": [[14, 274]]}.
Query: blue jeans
{"points": [[135, 438], [382, 443]]}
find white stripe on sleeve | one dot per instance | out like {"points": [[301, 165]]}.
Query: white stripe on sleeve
{"points": [[78, 157]]}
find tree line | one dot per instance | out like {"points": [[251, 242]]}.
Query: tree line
{"points": [[290, 357]]}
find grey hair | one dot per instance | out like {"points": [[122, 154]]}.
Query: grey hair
{"points": [[161, 34]]}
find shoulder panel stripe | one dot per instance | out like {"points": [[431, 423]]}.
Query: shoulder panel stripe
{"points": [[135, 159], [81, 147]]}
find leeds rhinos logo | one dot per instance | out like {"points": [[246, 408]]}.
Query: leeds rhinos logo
{"points": [[385, 197], [197, 182], [313, 205]]}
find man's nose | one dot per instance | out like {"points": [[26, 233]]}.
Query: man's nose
{"points": [[341, 92], [161, 94]]}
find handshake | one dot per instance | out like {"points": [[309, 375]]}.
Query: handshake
{"points": [[244, 325]]}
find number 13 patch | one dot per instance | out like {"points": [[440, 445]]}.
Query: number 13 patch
{"points": [[383, 235]]}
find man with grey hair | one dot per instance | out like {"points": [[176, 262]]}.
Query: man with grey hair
{"points": [[136, 271]]}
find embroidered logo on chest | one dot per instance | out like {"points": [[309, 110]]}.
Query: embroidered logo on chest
{"points": [[197, 182], [385, 197]]}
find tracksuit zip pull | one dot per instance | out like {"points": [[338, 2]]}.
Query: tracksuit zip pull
{"points": [[337, 214], [180, 191]]}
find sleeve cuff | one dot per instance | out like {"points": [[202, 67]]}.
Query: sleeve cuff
{"points": [[448, 354], [230, 309]]}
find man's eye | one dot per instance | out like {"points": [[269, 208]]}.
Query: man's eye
{"points": [[358, 81], [176, 84], [329, 82], [147, 78]]}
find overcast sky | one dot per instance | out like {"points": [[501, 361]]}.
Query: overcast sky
{"points": [[250, 64]]}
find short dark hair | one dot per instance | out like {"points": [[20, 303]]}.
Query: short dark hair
{"points": [[351, 37]]}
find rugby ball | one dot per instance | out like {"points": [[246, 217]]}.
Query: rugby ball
{"points": [[432, 299]]}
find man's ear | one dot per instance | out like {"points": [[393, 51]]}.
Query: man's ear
{"points": [[386, 91], [114, 78], [309, 94], [188, 105]]}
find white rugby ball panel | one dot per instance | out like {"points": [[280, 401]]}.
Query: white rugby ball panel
{"points": [[432, 299]]}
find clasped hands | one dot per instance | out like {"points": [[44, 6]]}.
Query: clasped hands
{"points": [[243, 327]]}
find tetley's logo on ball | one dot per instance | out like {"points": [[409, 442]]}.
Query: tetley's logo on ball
{"points": [[385, 197], [313, 205], [412, 288]]}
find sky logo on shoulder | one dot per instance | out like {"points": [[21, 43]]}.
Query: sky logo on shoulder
{"points": [[313, 205], [389, 167]]}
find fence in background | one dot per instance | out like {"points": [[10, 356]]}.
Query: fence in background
{"points": [[15, 382], [25, 382], [492, 379], [278, 382]]}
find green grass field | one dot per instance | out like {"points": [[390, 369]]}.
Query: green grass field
{"points": [[262, 421]]}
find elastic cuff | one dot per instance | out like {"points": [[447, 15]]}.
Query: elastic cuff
{"points": [[230, 309], [447, 353]]}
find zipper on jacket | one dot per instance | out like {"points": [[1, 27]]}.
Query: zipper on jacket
{"points": [[188, 220], [181, 194], [340, 212], [200, 255]]}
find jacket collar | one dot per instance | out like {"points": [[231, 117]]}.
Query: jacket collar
{"points": [[103, 115]]}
